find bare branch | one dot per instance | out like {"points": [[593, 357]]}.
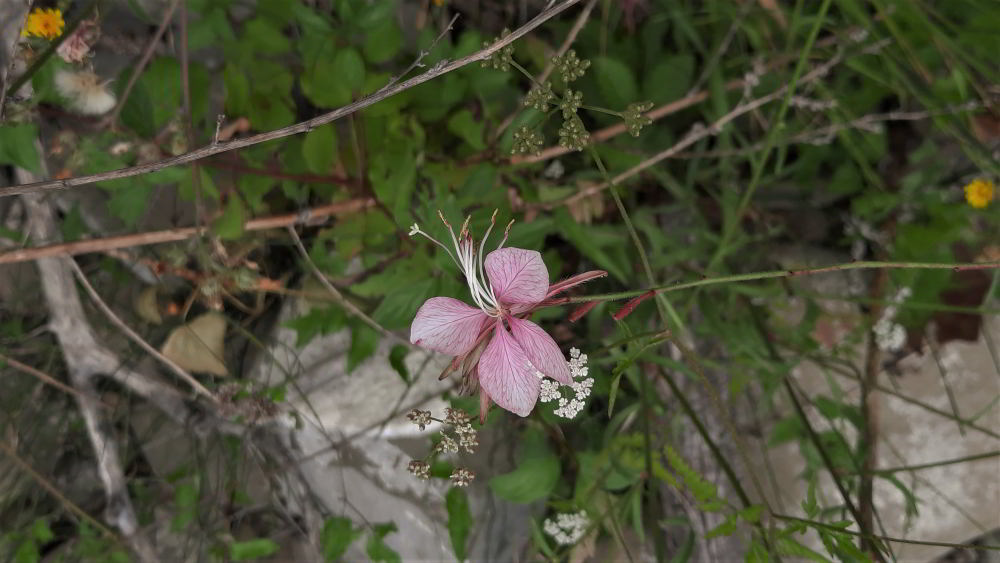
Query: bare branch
{"points": [[106, 244], [439, 69]]}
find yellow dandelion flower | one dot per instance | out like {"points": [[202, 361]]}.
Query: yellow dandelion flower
{"points": [[42, 22], [979, 193]]}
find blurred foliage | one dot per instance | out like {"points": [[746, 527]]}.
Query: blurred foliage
{"points": [[886, 189]]}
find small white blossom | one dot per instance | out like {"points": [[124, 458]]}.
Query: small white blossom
{"points": [[414, 229], [461, 477], [447, 444], [420, 469], [419, 417], [581, 387], [567, 528]]}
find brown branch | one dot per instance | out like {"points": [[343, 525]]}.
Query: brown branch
{"points": [[183, 233], [133, 336], [439, 69], [41, 375], [581, 20], [696, 133]]}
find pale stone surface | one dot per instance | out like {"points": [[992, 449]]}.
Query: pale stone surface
{"points": [[957, 501]]}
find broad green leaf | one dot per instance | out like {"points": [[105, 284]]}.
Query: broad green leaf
{"points": [[464, 125], [337, 535], [324, 88], [535, 476], [263, 36], [382, 42], [786, 430], [319, 148], [318, 321], [349, 68], [376, 547], [17, 146], [459, 521], [669, 79], [252, 549], [229, 225], [615, 82]]}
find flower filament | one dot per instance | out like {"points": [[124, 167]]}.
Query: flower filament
{"points": [[470, 261]]}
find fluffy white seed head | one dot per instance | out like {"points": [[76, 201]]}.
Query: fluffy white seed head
{"points": [[84, 92]]}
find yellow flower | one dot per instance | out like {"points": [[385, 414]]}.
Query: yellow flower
{"points": [[42, 22], [979, 193]]}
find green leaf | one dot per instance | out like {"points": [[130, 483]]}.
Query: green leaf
{"points": [[397, 359], [229, 225], [129, 200], [376, 547], [350, 68], [338, 533], [459, 521], [40, 531], [17, 146], [363, 343], [319, 320], [399, 306], [319, 149], [464, 125], [615, 82], [382, 42], [535, 476], [263, 36], [252, 549], [155, 98], [669, 79], [323, 87]]}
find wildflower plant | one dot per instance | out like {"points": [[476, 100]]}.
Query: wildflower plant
{"points": [[494, 342], [457, 434], [46, 23]]}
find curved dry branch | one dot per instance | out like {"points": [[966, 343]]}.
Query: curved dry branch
{"points": [[441, 68]]}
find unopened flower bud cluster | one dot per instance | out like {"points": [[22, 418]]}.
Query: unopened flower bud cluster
{"points": [[567, 528], [581, 387], [457, 434]]}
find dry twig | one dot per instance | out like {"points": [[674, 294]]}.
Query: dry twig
{"points": [[441, 68]]}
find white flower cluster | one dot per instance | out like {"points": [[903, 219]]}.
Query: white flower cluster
{"points": [[567, 528], [461, 477], [889, 335], [468, 439], [582, 386]]}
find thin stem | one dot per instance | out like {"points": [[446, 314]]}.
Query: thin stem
{"points": [[817, 524], [953, 461], [861, 265], [733, 221]]}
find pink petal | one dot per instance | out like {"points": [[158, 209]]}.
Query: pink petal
{"points": [[562, 286], [506, 374], [542, 351], [447, 325], [517, 275]]}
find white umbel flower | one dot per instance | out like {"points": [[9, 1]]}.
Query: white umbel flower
{"points": [[84, 91], [581, 387], [567, 528]]}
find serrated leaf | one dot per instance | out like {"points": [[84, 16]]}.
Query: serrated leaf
{"points": [[377, 549], [318, 321], [337, 535], [459, 521], [199, 346], [319, 149]]}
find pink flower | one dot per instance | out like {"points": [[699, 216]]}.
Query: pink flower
{"points": [[509, 353]]}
